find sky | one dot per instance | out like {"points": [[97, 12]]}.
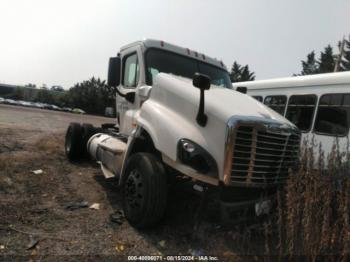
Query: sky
{"points": [[62, 42]]}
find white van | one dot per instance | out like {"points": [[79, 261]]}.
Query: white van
{"points": [[318, 104]]}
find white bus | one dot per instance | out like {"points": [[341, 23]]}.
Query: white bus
{"points": [[318, 104]]}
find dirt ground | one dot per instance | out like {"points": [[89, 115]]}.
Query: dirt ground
{"points": [[35, 223]]}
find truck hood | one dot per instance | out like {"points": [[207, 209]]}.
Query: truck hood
{"points": [[169, 115], [220, 103]]}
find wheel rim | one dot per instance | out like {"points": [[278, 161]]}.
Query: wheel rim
{"points": [[133, 190]]}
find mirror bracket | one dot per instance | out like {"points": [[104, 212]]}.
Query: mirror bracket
{"points": [[201, 116], [130, 97], [202, 82]]}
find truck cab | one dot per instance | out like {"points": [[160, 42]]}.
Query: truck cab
{"points": [[177, 114], [142, 61]]}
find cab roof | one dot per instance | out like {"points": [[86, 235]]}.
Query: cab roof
{"points": [[298, 81], [153, 43]]}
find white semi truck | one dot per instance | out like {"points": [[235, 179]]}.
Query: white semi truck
{"points": [[177, 115]]}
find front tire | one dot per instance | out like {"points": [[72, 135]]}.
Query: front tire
{"points": [[144, 188]]}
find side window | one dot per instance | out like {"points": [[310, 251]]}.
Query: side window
{"points": [[300, 111], [259, 98], [131, 71], [277, 103], [333, 115]]}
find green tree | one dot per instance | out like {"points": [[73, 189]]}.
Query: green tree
{"points": [[18, 94], [345, 63], [30, 85], [45, 96], [57, 88], [29, 93], [310, 66], [326, 62], [241, 73], [93, 96]]}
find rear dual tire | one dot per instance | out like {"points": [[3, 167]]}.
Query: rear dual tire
{"points": [[76, 140], [73, 142]]}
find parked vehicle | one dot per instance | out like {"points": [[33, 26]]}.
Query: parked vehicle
{"points": [[54, 107], [66, 109], [318, 104], [78, 111], [32, 104], [177, 116], [10, 102], [38, 105], [110, 112], [24, 103]]}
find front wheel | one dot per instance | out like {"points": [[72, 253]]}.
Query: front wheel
{"points": [[144, 190]]}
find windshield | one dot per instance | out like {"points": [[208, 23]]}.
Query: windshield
{"points": [[158, 61]]}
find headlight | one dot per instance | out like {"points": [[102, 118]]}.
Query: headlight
{"points": [[193, 155]]}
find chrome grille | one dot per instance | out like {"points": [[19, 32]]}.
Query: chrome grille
{"points": [[263, 157]]}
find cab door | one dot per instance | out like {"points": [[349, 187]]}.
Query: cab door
{"points": [[130, 79]]}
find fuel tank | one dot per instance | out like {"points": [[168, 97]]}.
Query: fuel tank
{"points": [[108, 151]]}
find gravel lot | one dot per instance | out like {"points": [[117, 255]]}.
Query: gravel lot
{"points": [[35, 222]]}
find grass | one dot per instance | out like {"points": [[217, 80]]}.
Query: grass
{"points": [[50, 145], [312, 217], [311, 220], [16, 165]]}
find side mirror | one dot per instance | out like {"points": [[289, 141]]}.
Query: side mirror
{"points": [[201, 81], [114, 71], [241, 89]]}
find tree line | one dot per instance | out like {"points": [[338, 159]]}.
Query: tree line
{"points": [[326, 62], [92, 95]]}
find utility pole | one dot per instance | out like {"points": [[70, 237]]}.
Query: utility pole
{"points": [[341, 52]]}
